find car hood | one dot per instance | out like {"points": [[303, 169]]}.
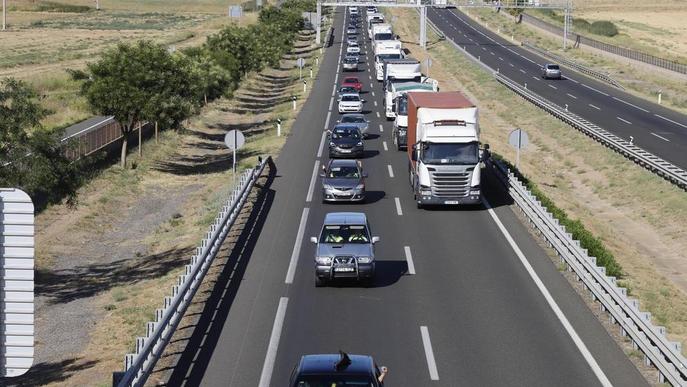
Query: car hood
{"points": [[346, 141], [341, 182], [355, 249]]}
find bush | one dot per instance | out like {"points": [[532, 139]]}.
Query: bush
{"points": [[604, 28], [581, 24], [587, 240], [51, 6]]}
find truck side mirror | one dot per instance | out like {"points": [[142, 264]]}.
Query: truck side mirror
{"points": [[486, 146], [375, 239], [313, 240]]}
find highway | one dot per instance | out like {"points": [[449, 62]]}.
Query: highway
{"points": [[462, 296], [655, 128]]}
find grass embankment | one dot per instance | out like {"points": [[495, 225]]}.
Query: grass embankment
{"points": [[637, 216], [47, 37], [640, 80], [128, 304]]}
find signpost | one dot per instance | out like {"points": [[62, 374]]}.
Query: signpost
{"points": [[518, 139], [300, 63], [234, 140]]}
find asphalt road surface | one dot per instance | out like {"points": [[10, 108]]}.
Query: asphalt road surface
{"points": [[466, 311], [655, 128]]}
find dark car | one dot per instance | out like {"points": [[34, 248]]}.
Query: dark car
{"points": [[341, 369], [345, 141]]}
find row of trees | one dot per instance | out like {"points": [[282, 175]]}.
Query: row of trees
{"points": [[134, 82], [145, 82]]}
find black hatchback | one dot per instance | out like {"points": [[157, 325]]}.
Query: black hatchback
{"points": [[345, 141], [337, 370]]}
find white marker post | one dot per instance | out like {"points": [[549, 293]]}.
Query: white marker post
{"points": [[278, 127], [294, 102]]}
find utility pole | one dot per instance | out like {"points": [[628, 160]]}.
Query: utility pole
{"points": [[318, 23], [4, 15]]}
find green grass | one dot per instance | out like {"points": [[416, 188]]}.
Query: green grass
{"points": [[52, 6], [122, 21]]}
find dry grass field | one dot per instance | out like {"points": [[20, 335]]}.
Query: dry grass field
{"points": [[39, 46], [656, 27]]}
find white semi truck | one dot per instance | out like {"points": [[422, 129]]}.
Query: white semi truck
{"points": [[386, 49], [398, 87], [399, 105], [443, 149]]}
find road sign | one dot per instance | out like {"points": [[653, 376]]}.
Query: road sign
{"points": [[300, 63], [235, 11], [16, 282], [518, 139], [234, 140]]}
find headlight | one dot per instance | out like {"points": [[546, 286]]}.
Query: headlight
{"points": [[360, 186], [364, 259], [324, 260], [360, 143]]}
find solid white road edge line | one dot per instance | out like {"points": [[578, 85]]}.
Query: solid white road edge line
{"points": [[326, 122], [549, 299], [311, 187], [429, 353], [629, 104], [409, 260], [391, 171], [297, 247], [399, 211], [271, 355], [669, 120], [321, 148]]}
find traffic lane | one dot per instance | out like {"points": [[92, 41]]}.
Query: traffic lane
{"points": [[621, 113], [236, 351], [602, 346]]}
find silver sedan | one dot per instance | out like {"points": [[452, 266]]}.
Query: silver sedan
{"points": [[358, 120], [343, 180]]}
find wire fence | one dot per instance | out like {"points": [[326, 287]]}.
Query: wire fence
{"points": [[621, 51]]}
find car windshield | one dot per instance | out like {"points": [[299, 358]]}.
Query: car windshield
{"points": [[553, 67], [347, 90], [344, 172], [353, 119], [384, 36], [451, 153], [351, 60], [403, 106], [350, 98], [344, 234], [346, 132]]}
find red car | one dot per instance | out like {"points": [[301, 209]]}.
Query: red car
{"points": [[353, 82]]}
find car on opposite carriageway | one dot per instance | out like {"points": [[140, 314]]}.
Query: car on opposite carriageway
{"points": [[344, 249], [550, 70]]}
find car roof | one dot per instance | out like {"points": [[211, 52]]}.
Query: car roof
{"points": [[352, 115], [343, 163], [325, 363], [353, 79], [346, 125], [350, 94], [345, 218]]}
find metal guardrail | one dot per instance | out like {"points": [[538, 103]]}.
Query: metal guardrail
{"points": [[573, 65], [657, 165], [617, 50], [149, 349], [664, 355]]}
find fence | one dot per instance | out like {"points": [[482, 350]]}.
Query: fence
{"points": [[96, 136], [149, 349], [621, 51], [664, 355]]}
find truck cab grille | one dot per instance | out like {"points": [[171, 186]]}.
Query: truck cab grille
{"points": [[451, 184]]}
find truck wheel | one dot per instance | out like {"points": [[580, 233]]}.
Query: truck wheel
{"points": [[320, 282]]}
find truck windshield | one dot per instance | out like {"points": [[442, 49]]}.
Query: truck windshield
{"points": [[382, 57], [344, 234], [402, 108], [384, 36], [450, 153]]}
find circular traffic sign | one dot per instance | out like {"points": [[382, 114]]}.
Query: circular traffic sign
{"points": [[234, 139]]}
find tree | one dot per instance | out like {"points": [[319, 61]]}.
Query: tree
{"points": [[139, 81], [32, 158]]}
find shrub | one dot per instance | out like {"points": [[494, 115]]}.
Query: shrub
{"points": [[604, 28], [581, 24], [51, 6]]}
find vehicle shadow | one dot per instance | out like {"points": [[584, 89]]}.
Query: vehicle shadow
{"points": [[387, 273], [368, 154], [195, 353], [372, 136]]}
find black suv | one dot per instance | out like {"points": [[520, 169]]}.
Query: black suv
{"points": [[345, 141], [337, 370]]}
